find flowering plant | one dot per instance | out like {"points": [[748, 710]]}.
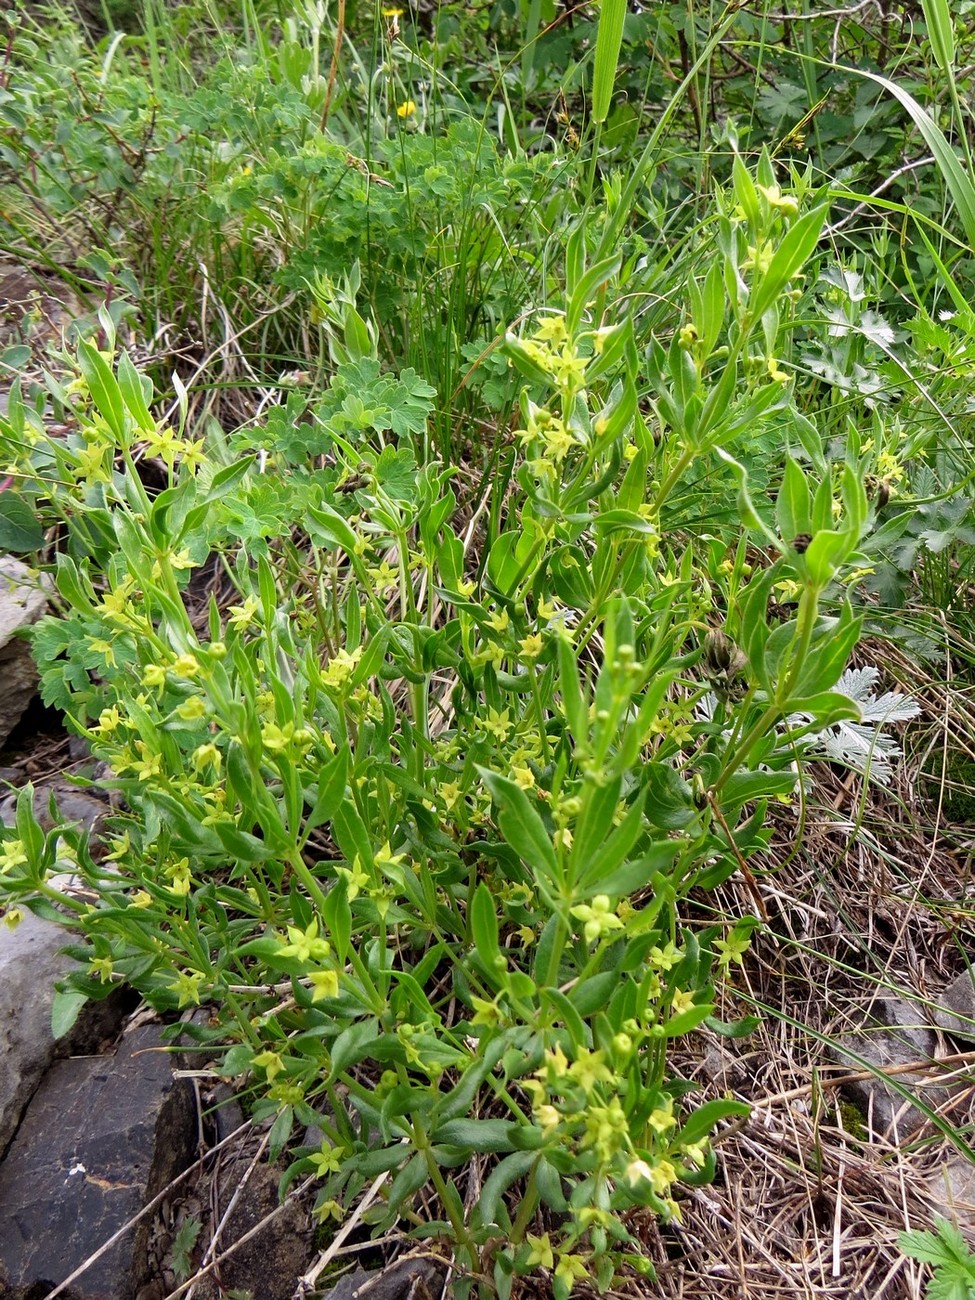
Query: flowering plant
{"points": [[415, 824]]}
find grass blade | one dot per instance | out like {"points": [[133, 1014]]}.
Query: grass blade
{"points": [[959, 183], [608, 38]]}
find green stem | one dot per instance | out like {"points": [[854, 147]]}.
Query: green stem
{"points": [[527, 1208]]}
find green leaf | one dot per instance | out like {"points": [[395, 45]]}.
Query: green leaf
{"points": [[615, 521], [609, 34], [351, 834], [227, 478], [745, 191], [484, 926], [593, 994], [958, 181], [828, 655], [337, 916], [704, 1119], [521, 825], [332, 781], [795, 249], [573, 699], [733, 1028], [65, 1010], [793, 508], [354, 1044], [595, 822], [507, 1173], [941, 33], [19, 527], [633, 876], [104, 388], [332, 528], [603, 857], [134, 388], [688, 1020], [182, 1248], [280, 1131], [479, 1136], [670, 802]]}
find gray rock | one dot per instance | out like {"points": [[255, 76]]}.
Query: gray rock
{"points": [[417, 1278], [955, 1012], [23, 599], [79, 805], [30, 963], [101, 1136], [269, 1264], [896, 1034], [952, 1191]]}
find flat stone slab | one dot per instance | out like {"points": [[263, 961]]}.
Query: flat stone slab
{"points": [[101, 1136], [30, 962], [23, 599]]}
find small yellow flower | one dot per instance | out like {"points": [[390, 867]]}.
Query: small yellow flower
{"points": [[179, 874], [524, 777], [327, 1159], [244, 615], [186, 666], [12, 917], [101, 967], [787, 204], [540, 1253], [148, 764], [406, 109], [449, 793], [638, 1170], [355, 879], [329, 1210], [531, 645], [305, 945], [599, 919], [340, 668], [270, 1062], [497, 724], [206, 756], [188, 987], [665, 958], [661, 1119], [696, 1153], [103, 648], [154, 676], [571, 1268], [191, 710], [548, 1117], [681, 1001], [485, 1013], [325, 984], [661, 1177], [109, 720]]}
